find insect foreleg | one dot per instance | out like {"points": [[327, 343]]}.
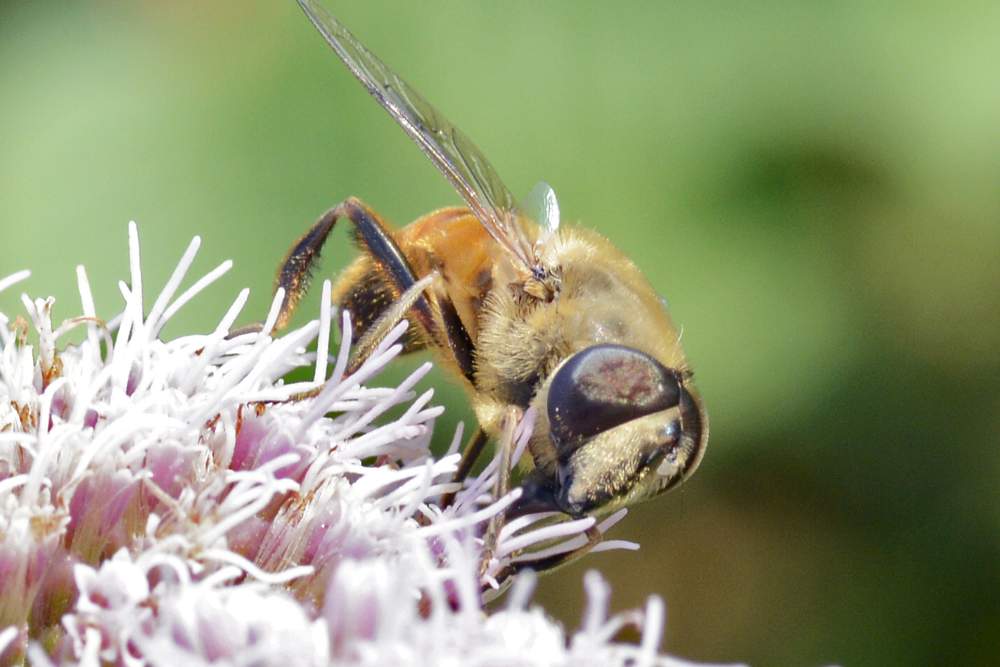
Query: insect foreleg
{"points": [[593, 537]]}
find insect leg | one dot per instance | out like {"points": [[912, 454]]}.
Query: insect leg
{"points": [[443, 325], [502, 484], [554, 562], [473, 448], [295, 270], [374, 335], [381, 327]]}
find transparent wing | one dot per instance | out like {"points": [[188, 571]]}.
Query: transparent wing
{"points": [[449, 149], [542, 206]]}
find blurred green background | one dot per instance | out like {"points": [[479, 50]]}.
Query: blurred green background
{"points": [[815, 188]]}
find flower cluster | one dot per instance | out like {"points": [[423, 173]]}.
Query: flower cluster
{"points": [[178, 502]]}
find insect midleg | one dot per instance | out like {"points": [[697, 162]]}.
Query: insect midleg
{"points": [[473, 448], [373, 336], [389, 318], [294, 272], [396, 272], [506, 443]]}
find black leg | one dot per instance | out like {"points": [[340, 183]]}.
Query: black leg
{"points": [[376, 331], [473, 448], [458, 339], [551, 563], [506, 444], [295, 272]]}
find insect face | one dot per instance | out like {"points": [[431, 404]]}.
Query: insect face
{"points": [[624, 428]]}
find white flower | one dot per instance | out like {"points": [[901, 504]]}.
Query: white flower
{"points": [[177, 502]]}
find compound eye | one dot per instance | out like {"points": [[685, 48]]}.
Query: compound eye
{"points": [[605, 386]]}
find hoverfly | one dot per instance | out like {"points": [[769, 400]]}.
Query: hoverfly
{"points": [[527, 314]]}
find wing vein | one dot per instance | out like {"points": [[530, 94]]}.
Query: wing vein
{"points": [[448, 148]]}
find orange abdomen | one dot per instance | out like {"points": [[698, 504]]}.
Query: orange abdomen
{"points": [[455, 244]]}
